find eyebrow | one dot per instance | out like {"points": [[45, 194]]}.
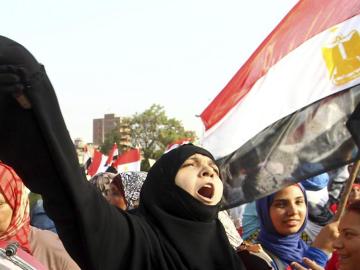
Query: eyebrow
{"points": [[285, 199], [351, 230], [211, 162]]}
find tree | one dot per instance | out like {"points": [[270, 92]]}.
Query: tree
{"points": [[152, 131]]}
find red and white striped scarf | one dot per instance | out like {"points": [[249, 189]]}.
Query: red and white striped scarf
{"points": [[15, 194]]}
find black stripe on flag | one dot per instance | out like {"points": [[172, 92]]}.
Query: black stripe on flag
{"points": [[306, 143]]}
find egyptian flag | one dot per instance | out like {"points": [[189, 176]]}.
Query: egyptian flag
{"points": [[282, 117], [98, 163], [128, 161], [177, 143], [112, 155], [86, 158]]}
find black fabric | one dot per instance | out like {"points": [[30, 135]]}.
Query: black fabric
{"points": [[188, 226], [35, 142], [253, 261], [160, 191], [353, 125]]}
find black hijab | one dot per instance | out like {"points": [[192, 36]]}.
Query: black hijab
{"points": [[188, 230]]}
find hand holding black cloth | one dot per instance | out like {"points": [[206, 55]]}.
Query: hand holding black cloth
{"points": [[181, 234], [33, 138]]}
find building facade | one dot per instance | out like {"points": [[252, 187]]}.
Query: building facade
{"points": [[103, 126]]}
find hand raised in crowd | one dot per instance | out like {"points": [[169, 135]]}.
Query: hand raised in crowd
{"points": [[311, 264], [324, 240]]}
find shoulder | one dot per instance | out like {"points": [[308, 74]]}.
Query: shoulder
{"points": [[47, 247], [254, 257]]}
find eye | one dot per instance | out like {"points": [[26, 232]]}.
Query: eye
{"points": [[187, 164], [348, 235], [279, 204], [216, 170], [300, 202]]}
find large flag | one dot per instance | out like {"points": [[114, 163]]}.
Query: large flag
{"points": [[97, 164], [112, 155], [128, 161], [177, 143], [281, 118]]}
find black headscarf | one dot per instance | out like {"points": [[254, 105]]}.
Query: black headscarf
{"points": [[186, 227]]}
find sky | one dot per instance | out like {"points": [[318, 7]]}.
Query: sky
{"points": [[122, 56]]}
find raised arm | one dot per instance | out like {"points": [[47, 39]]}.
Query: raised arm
{"points": [[34, 141]]}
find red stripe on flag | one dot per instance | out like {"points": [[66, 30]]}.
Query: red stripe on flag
{"points": [[307, 19], [177, 143], [132, 155], [95, 164], [111, 154]]}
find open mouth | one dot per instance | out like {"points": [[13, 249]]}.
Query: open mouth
{"points": [[207, 191]]}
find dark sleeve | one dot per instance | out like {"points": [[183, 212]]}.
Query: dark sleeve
{"points": [[34, 141], [96, 234], [252, 261]]}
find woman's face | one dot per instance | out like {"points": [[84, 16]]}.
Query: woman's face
{"points": [[348, 242], [115, 197], [354, 194], [199, 176], [6, 213], [288, 210]]}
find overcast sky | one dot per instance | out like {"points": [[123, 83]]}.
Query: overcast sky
{"points": [[117, 56]]}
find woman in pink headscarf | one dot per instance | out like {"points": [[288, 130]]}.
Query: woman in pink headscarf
{"points": [[41, 249]]}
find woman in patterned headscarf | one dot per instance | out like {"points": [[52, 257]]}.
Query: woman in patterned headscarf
{"points": [[14, 209], [125, 189], [121, 190], [44, 246], [102, 182]]}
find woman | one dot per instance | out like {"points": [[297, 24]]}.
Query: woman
{"points": [[44, 246], [174, 227], [333, 263], [125, 189], [102, 181], [283, 217], [347, 244], [354, 193], [121, 190]]}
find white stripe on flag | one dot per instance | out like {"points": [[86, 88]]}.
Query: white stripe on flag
{"points": [[132, 166], [298, 79]]}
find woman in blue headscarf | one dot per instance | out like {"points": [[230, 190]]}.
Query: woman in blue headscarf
{"points": [[283, 217]]}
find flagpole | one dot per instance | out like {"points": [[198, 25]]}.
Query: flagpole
{"points": [[347, 190]]}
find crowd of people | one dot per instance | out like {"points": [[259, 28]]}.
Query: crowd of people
{"points": [[163, 213], [167, 218]]}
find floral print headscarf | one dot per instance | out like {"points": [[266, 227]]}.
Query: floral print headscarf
{"points": [[132, 183]]}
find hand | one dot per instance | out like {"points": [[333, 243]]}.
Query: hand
{"points": [[11, 82], [324, 240], [311, 264], [9, 78]]}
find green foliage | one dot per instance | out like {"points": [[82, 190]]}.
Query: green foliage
{"points": [[151, 131], [110, 139]]}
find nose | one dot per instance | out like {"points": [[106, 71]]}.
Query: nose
{"points": [[207, 171], [337, 243], [291, 209]]}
